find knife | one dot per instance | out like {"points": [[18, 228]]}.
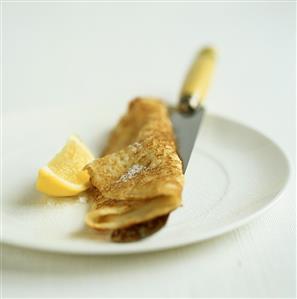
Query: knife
{"points": [[187, 116], [186, 119]]}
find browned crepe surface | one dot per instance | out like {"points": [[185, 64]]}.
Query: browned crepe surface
{"points": [[139, 179]]}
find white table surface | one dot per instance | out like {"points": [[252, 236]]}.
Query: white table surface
{"points": [[64, 53]]}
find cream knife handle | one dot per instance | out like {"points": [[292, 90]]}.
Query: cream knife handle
{"points": [[197, 80]]}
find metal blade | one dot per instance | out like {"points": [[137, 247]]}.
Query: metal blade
{"points": [[186, 128]]}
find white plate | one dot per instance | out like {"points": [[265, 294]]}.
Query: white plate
{"points": [[235, 174]]}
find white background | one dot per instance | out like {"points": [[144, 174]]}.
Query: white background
{"points": [[65, 53]]}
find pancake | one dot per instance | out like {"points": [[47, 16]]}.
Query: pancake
{"points": [[138, 181]]}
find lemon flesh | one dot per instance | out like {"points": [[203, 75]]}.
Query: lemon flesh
{"points": [[64, 174]]}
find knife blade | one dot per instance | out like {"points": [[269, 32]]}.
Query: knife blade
{"points": [[187, 116], [186, 129]]}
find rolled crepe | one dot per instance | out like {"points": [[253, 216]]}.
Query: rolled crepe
{"points": [[139, 178]]}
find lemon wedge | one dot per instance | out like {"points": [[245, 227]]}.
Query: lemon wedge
{"points": [[64, 174]]}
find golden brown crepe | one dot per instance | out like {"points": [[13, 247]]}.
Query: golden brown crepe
{"points": [[139, 179]]}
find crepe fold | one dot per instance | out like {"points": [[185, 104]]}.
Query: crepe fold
{"points": [[139, 177]]}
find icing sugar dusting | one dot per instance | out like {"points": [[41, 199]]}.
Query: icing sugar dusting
{"points": [[135, 147], [82, 199], [133, 171]]}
